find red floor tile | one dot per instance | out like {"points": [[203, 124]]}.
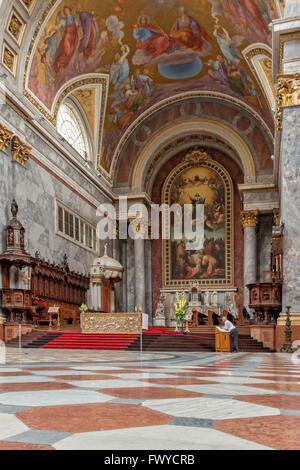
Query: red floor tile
{"points": [[277, 432], [195, 374], [149, 393], [13, 374], [179, 381], [274, 378], [91, 417], [278, 387], [283, 402], [33, 386], [116, 371], [46, 368], [84, 377], [5, 445]]}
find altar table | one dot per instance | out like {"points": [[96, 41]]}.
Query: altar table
{"points": [[130, 323]]}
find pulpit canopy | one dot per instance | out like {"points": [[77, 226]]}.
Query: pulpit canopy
{"points": [[106, 268]]}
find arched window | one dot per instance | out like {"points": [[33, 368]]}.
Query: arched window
{"points": [[70, 127]]}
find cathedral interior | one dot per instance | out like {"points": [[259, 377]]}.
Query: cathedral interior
{"points": [[111, 110]]}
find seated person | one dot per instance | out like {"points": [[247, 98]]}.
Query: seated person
{"points": [[215, 319]]}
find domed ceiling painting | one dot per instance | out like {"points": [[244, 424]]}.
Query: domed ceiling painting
{"points": [[151, 51]]}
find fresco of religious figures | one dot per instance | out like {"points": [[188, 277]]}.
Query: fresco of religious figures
{"points": [[150, 51]]}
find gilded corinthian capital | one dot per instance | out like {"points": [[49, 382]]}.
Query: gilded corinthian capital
{"points": [[5, 138], [20, 151], [288, 94], [249, 218]]}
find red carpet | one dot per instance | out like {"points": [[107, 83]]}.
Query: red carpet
{"points": [[78, 340]]}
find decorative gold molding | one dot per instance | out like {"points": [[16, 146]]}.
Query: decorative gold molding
{"points": [[28, 5], [276, 216], [16, 26], [20, 151], [288, 94], [268, 74], [5, 138], [197, 156], [9, 58], [249, 218]]}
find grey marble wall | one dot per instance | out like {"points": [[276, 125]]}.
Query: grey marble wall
{"points": [[5, 194], [36, 192], [290, 207], [292, 8], [264, 239]]}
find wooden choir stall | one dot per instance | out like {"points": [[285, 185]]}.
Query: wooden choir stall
{"points": [[30, 286]]}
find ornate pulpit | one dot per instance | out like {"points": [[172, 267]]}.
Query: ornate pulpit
{"points": [[105, 272], [16, 266]]}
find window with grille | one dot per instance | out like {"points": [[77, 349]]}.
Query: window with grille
{"points": [[73, 227], [69, 127]]}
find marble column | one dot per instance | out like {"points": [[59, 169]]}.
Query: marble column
{"points": [[148, 279], [130, 282], [139, 273], [249, 221]]}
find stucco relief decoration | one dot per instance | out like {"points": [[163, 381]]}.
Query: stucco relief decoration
{"points": [[288, 94], [16, 26], [9, 58], [150, 51], [5, 138], [200, 180], [20, 151]]}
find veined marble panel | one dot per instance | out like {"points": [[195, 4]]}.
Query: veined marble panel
{"points": [[290, 203]]}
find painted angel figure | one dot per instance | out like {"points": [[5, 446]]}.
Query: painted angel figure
{"points": [[90, 31], [69, 40], [227, 44], [50, 49], [119, 71]]}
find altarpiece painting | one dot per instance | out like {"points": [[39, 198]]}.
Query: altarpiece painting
{"points": [[200, 180]]}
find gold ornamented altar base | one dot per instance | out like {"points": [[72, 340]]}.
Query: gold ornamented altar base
{"points": [[129, 323]]}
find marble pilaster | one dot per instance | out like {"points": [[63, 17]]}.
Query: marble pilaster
{"points": [[290, 214], [130, 284]]}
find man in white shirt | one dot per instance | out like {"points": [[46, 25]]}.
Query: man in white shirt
{"points": [[228, 326]]}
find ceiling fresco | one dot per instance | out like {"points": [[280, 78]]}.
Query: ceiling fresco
{"points": [[151, 51]]}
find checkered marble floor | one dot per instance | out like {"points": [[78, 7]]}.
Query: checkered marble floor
{"points": [[112, 400]]}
